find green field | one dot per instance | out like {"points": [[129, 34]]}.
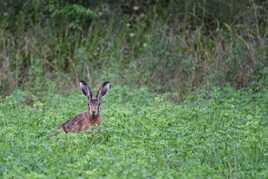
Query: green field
{"points": [[189, 96], [217, 134]]}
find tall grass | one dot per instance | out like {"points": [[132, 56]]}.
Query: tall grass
{"points": [[164, 52]]}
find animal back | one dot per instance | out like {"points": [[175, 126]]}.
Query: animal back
{"points": [[81, 122]]}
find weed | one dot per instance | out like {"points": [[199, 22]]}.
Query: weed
{"points": [[220, 136]]}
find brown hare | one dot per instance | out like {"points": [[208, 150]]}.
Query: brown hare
{"points": [[91, 118]]}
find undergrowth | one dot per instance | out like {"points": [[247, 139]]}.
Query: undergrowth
{"points": [[169, 46], [217, 134]]}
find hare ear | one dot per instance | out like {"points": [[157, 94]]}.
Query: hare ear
{"points": [[85, 89], [105, 87]]}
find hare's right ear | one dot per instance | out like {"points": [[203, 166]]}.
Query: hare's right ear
{"points": [[105, 87], [85, 89]]}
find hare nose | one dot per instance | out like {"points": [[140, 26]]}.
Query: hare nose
{"points": [[94, 110]]}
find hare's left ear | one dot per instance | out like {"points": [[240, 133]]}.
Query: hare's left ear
{"points": [[85, 89], [105, 87]]}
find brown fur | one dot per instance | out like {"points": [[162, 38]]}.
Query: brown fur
{"points": [[81, 122], [91, 118]]}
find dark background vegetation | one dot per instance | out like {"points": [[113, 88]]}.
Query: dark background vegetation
{"points": [[174, 46]]}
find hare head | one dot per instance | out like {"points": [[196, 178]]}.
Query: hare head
{"points": [[94, 103]]}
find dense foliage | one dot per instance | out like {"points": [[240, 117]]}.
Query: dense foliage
{"points": [[175, 46], [217, 134]]}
